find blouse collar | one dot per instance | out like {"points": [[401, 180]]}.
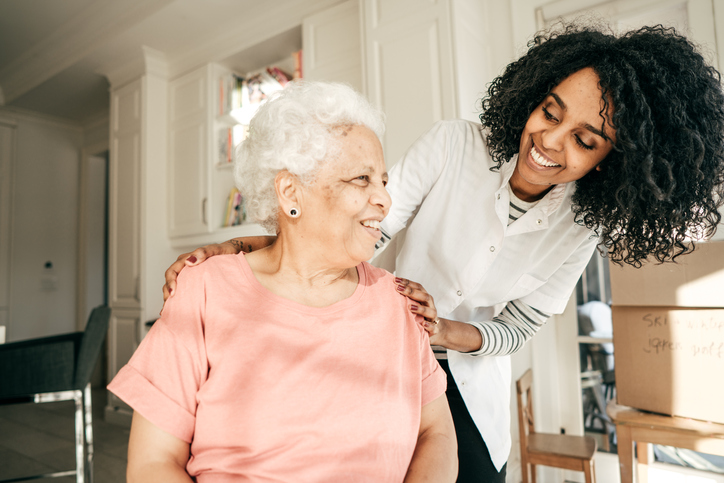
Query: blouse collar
{"points": [[551, 201]]}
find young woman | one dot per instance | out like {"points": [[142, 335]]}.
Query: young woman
{"points": [[588, 139]]}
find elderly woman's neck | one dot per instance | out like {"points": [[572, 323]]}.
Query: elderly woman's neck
{"points": [[302, 273]]}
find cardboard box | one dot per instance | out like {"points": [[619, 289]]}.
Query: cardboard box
{"points": [[695, 280], [670, 361]]}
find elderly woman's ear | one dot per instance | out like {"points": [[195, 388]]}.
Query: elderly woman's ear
{"points": [[288, 191]]}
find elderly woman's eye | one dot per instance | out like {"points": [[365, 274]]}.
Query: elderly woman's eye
{"points": [[364, 178]]}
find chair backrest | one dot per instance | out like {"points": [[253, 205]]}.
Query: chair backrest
{"points": [[91, 345], [524, 390]]}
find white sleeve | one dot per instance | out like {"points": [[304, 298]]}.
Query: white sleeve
{"points": [[553, 296], [414, 175]]}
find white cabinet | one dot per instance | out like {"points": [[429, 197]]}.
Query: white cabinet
{"points": [[187, 172]]}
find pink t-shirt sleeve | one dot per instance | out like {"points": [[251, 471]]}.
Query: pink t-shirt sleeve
{"points": [[434, 379], [162, 379]]}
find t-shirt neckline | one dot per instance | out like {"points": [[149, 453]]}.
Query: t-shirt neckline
{"points": [[271, 297]]}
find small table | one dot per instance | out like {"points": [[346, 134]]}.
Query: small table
{"points": [[650, 428]]}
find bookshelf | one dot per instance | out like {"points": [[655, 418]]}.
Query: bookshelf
{"points": [[209, 111]]}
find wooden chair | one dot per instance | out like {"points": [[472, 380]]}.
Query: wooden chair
{"points": [[549, 449]]}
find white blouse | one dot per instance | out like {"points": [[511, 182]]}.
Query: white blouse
{"points": [[460, 247]]}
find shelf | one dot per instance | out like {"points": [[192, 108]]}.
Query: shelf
{"points": [[218, 236], [585, 339]]}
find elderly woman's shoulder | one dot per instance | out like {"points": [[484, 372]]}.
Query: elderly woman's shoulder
{"points": [[380, 279], [213, 267]]}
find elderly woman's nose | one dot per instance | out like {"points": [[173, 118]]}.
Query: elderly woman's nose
{"points": [[382, 198]]}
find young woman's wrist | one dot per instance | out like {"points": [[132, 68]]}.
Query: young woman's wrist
{"points": [[458, 336]]}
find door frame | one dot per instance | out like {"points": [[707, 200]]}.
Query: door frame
{"points": [[87, 153], [7, 192]]}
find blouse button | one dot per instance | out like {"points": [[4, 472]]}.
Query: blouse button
{"points": [[498, 195], [460, 293], [539, 221], [492, 249]]}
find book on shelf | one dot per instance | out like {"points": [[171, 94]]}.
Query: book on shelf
{"points": [[280, 76], [229, 140], [240, 97], [232, 93], [225, 146], [235, 214], [297, 56]]}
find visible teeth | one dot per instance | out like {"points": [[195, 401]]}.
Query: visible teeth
{"points": [[372, 224], [539, 159]]}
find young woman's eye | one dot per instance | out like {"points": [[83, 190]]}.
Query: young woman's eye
{"points": [[582, 144], [548, 115]]}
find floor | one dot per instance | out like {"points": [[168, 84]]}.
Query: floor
{"points": [[39, 438]]}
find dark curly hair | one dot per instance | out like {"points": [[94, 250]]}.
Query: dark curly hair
{"points": [[664, 178]]}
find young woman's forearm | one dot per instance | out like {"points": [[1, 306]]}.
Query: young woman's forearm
{"points": [[457, 336], [505, 334]]}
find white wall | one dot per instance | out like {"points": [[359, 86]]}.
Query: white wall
{"points": [[44, 226], [97, 130]]}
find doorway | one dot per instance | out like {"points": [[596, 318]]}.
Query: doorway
{"points": [[7, 145], [93, 233]]}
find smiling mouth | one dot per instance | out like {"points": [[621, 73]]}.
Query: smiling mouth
{"points": [[540, 160], [374, 224]]}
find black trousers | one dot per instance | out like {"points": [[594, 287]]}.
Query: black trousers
{"points": [[475, 465]]}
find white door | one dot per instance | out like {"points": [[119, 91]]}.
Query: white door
{"points": [[333, 46], [409, 68]]}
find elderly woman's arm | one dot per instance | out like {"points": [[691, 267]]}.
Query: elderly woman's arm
{"points": [[154, 455], [436, 454]]}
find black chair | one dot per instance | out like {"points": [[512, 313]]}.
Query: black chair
{"points": [[57, 368]]}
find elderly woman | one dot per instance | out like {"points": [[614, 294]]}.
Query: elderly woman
{"points": [[267, 366]]}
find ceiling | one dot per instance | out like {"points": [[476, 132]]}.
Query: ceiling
{"points": [[57, 56]]}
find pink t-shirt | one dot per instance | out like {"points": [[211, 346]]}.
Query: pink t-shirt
{"points": [[266, 389]]}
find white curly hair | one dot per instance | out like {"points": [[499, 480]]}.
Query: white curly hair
{"points": [[295, 130]]}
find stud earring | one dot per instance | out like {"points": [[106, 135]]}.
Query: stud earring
{"points": [[294, 213]]}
